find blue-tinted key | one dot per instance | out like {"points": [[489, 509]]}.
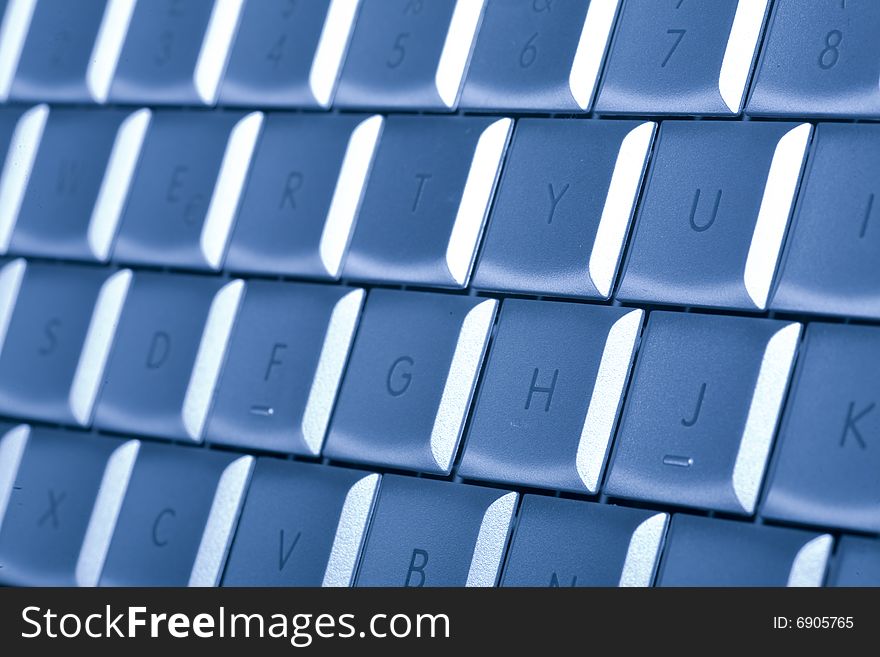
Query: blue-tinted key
{"points": [[857, 563], [819, 59], [167, 355], [288, 53], [711, 235], [427, 199], [409, 54], [409, 380], [20, 133], [174, 51], [78, 180], [830, 259], [185, 194], [15, 18], [548, 401], [58, 52], [681, 57], [568, 543], [59, 491], [702, 409], [178, 517], [55, 335], [434, 533], [827, 460], [301, 200], [286, 358], [301, 525], [709, 552], [563, 207], [540, 55]]}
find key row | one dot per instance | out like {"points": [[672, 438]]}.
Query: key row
{"points": [[407, 199], [299, 368], [670, 57], [85, 510]]}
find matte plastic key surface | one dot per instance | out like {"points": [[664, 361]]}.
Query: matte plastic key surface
{"points": [[710, 552], [568, 543], [711, 235], [538, 55], [410, 378], [174, 51], [187, 187], [285, 362], [301, 200], [178, 517], [563, 207], [288, 53], [435, 533], [56, 327], [857, 562], [702, 410], [820, 58], [548, 401], [826, 463], [409, 54], [21, 130], [166, 357], [830, 261], [301, 525], [681, 57], [59, 52], [430, 188], [59, 491], [79, 178]]}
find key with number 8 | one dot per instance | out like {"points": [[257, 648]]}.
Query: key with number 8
{"points": [[819, 59]]}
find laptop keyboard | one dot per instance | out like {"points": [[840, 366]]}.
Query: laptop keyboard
{"points": [[439, 293]]}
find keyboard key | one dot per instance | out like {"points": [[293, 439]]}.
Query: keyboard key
{"points": [[20, 135], [568, 543], [819, 59], [178, 517], [435, 533], [174, 51], [15, 19], [409, 54], [563, 208], [540, 55], [285, 361], [61, 492], [711, 235], [301, 525], [548, 402], [167, 355], [58, 51], [830, 260], [288, 53], [186, 191], [702, 410], [55, 338], [858, 563], [676, 57], [409, 382], [427, 200], [827, 459], [78, 184], [709, 552], [302, 197]]}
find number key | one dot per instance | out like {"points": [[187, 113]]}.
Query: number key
{"points": [[819, 59], [409, 54], [681, 57], [288, 53], [539, 55]]}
